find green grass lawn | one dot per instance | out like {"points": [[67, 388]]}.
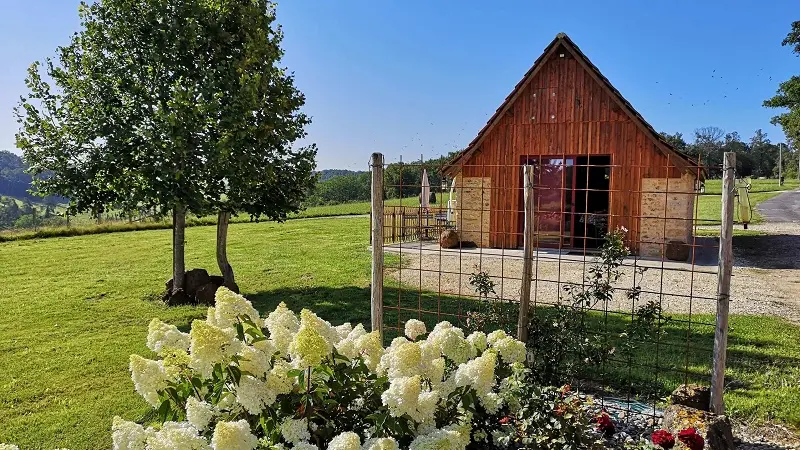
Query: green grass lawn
{"points": [[709, 205], [75, 308]]}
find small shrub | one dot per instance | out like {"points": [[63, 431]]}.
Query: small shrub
{"points": [[562, 338], [491, 312]]}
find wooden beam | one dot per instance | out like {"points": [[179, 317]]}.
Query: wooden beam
{"points": [[723, 285], [376, 288]]}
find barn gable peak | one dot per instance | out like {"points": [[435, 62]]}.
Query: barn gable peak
{"points": [[563, 46]]}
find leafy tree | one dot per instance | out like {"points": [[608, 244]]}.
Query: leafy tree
{"points": [[168, 105], [788, 95], [343, 189], [676, 141]]}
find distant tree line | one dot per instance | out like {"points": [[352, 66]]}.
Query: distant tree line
{"points": [[400, 179], [756, 156]]}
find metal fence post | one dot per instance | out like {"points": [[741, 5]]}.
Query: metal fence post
{"points": [[527, 252], [376, 294], [723, 284]]}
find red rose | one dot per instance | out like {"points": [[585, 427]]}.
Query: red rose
{"points": [[663, 439], [605, 424], [691, 439], [505, 420]]}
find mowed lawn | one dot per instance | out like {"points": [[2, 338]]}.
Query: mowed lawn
{"points": [[708, 210], [75, 308]]}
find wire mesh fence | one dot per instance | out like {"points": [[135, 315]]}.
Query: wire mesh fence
{"points": [[623, 265]]}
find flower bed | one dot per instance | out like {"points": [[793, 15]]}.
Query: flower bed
{"points": [[241, 381]]}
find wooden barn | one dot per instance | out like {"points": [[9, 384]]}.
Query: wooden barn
{"points": [[598, 165]]}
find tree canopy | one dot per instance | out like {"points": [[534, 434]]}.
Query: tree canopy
{"points": [[788, 95], [165, 105]]}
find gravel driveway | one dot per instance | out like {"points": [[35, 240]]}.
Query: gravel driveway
{"points": [[766, 276]]}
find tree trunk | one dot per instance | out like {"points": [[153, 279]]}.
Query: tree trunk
{"points": [[178, 244], [223, 219]]}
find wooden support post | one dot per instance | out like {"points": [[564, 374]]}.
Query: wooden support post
{"points": [[723, 284], [376, 296], [527, 253]]}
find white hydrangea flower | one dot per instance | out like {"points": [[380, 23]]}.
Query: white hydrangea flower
{"points": [[344, 330], [282, 325], [304, 446], [345, 441], [211, 316], [370, 347], [426, 406], [415, 328], [199, 413], [211, 345], [254, 361], [233, 436], [229, 306], [8, 447], [380, 444], [491, 402], [308, 347], [444, 439], [267, 346], [402, 396], [478, 373], [148, 378], [511, 350], [177, 436], [253, 394], [278, 380], [127, 435], [323, 327], [402, 359], [451, 343], [495, 336], [161, 335], [347, 346], [295, 430], [478, 340], [406, 397]]}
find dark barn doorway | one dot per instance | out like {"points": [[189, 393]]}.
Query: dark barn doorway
{"points": [[592, 200]]}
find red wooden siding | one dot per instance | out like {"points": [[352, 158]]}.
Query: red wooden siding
{"points": [[564, 111]]}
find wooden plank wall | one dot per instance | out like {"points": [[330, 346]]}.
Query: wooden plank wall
{"points": [[564, 111]]}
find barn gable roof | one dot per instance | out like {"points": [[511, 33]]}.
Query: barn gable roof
{"points": [[563, 41]]}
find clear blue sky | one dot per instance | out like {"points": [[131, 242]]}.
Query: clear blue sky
{"points": [[422, 77]]}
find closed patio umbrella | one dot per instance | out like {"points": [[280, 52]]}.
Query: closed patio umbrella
{"points": [[424, 201]]}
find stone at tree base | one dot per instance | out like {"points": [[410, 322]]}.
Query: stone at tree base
{"points": [[676, 251], [449, 239], [206, 294], [178, 297], [716, 430], [194, 280], [692, 395]]}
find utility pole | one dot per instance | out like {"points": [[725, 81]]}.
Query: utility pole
{"points": [[780, 164]]}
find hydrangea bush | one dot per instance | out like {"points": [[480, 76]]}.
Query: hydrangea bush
{"points": [[241, 381]]}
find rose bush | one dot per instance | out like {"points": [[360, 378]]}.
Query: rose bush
{"points": [[241, 381]]}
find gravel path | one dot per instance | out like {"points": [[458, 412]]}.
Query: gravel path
{"points": [[766, 276]]}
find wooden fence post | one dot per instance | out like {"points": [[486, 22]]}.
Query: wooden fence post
{"points": [[376, 295], [527, 253], [723, 284]]}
